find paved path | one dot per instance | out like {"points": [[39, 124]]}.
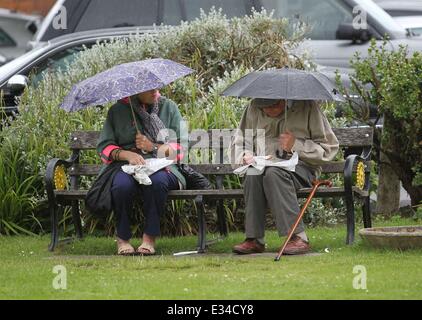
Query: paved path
{"points": [[269, 255]]}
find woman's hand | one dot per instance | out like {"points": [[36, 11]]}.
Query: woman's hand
{"points": [[143, 143], [132, 157]]}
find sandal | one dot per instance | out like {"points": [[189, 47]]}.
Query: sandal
{"points": [[125, 250], [146, 249]]}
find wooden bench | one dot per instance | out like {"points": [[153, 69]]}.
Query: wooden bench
{"points": [[350, 139]]}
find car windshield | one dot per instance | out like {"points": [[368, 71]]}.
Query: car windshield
{"points": [[5, 39], [14, 66], [412, 23], [375, 11], [102, 14], [323, 19], [86, 15], [416, 31], [59, 61]]}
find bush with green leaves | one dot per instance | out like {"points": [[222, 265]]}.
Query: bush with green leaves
{"points": [[392, 81], [221, 50]]}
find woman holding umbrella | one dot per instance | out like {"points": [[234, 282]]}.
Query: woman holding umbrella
{"points": [[141, 125], [119, 141]]}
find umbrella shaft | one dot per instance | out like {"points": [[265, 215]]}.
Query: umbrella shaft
{"points": [[134, 117]]}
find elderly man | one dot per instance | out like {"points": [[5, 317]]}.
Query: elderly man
{"points": [[300, 127]]}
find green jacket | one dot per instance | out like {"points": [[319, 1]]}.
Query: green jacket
{"points": [[119, 130]]}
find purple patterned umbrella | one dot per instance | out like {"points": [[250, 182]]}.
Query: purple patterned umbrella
{"points": [[123, 81]]}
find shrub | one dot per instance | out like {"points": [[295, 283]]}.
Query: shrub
{"points": [[221, 50], [392, 81]]}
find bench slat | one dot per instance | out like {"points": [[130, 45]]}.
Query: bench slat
{"points": [[84, 140], [214, 194], [354, 137], [206, 169], [347, 137]]}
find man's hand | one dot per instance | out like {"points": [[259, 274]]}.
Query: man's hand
{"points": [[248, 159], [143, 143], [286, 141]]}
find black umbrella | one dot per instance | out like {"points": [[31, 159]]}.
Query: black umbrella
{"points": [[285, 84]]}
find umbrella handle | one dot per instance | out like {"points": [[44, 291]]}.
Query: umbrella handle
{"points": [[136, 123], [284, 156]]}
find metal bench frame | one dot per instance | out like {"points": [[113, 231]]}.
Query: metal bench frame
{"points": [[350, 139]]}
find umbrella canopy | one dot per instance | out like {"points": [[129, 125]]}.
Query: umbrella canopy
{"points": [[123, 81], [286, 84]]}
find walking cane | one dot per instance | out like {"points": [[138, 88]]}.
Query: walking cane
{"points": [[316, 184]]}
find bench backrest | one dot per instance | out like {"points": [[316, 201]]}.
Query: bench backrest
{"points": [[216, 140]]}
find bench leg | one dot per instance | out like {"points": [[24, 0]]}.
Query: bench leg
{"points": [[201, 224], [77, 219], [221, 216], [350, 212], [222, 225], [366, 210], [53, 208]]}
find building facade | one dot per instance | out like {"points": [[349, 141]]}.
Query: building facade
{"points": [[28, 6]]}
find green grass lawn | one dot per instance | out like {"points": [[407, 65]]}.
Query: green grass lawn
{"points": [[94, 272]]}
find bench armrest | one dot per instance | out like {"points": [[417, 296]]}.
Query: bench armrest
{"points": [[351, 160], [50, 171]]}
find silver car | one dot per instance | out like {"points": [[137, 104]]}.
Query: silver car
{"points": [[333, 40], [339, 27], [16, 30], [401, 8], [411, 23]]}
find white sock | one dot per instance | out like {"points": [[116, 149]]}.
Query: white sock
{"points": [[303, 236]]}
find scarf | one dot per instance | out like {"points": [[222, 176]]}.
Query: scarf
{"points": [[154, 128]]}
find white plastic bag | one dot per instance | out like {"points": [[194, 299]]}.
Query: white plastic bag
{"points": [[261, 162], [141, 173]]}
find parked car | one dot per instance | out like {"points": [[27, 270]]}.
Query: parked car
{"points": [[16, 30], [50, 56], [83, 15], [333, 39], [411, 23], [54, 54], [399, 8]]}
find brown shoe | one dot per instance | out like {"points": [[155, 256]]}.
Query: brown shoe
{"points": [[297, 245], [249, 246]]}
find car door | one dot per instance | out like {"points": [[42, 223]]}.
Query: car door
{"points": [[324, 18]]}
